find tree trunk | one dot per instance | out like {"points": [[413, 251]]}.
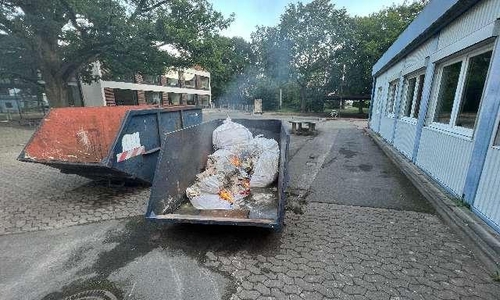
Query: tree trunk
{"points": [[57, 92], [302, 99], [51, 64], [360, 107]]}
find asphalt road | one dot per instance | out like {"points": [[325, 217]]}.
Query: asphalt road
{"points": [[356, 172]]}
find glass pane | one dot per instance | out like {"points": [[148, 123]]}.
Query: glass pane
{"points": [[125, 97], [409, 96], [447, 90], [379, 100], [391, 97], [153, 98], [473, 89], [419, 95]]}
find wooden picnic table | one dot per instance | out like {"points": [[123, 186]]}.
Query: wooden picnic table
{"points": [[297, 127]]}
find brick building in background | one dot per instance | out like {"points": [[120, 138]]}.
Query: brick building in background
{"points": [[183, 87]]}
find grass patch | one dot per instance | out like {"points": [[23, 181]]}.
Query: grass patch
{"points": [[460, 202], [496, 276]]}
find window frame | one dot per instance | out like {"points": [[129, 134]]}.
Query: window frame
{"points": [[379, 100], [392, 114], [496, 138], [418, 75], [458, 98]]}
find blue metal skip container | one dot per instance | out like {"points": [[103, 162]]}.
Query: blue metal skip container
{"points": [[184, 154], [114, 143]]}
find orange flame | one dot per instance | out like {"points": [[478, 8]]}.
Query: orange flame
{"points": [[226, 195], [235, 161]]}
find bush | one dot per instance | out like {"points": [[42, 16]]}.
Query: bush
{"points": [[366, 104]]}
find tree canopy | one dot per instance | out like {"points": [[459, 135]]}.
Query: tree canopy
{"points": [[61, 38], [318, 49], [315, 49], [370, 37]]}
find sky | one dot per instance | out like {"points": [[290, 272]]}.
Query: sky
{"points": [[250, 13]]}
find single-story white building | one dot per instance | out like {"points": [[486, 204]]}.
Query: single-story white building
{"points": [[436, 99]]}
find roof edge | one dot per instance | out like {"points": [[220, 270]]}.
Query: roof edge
{"points": [[435, 15]]}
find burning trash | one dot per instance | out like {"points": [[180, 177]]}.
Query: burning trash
{"points": [[240, 162]]}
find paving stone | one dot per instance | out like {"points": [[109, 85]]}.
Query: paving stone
{"points": [[292, 289], [247, 285], [331, 251], [245, 294], [354, 290], [262, 289], [278, 294], [271, 283], [311, 296]]}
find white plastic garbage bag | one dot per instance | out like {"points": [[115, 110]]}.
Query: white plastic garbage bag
{"points": [[265, 169], [222, 160], [240, 163], [262, 145], [209, 201], [230, 134], [204, 194]]}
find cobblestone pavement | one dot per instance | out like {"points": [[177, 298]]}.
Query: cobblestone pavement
{"points": [[37, 197], [330, 251], [346, 252]]}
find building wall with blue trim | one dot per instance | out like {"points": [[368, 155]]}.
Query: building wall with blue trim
{"points": [[464, 160]]}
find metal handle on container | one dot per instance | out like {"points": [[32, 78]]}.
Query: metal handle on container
{"points": [[152, 151]]}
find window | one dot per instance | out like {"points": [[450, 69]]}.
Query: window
{"points": [[190, 99], [379, 100], [473, 90], [152, 98], [205, 82], [125, 97], [459, 90], [172, 82], [418, 98], [205, 100], [8, 105], [413, 86], [393, 86], [447, 91], [410, 85], [151, 79], [189, 83], [174, 98]]}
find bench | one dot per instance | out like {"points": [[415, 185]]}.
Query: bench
{"points": [[298, 127]]}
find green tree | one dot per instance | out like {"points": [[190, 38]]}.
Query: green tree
{"points": [[321, 50], [312, 33], [228, 60], [272, 54], [369, 38], [62, 38]]}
